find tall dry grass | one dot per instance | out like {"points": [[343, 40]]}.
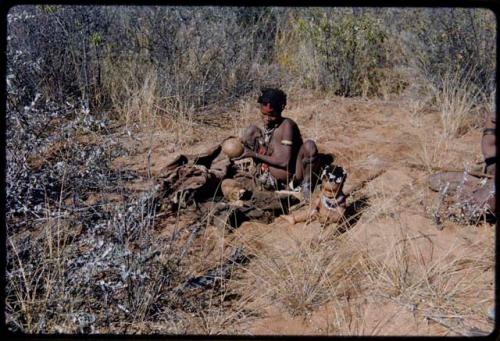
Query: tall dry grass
{"points": [[297, 276], [430, 152], [133, 88], [317, 274], [38, 299], [457, 101]]}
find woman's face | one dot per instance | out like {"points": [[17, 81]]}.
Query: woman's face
{"points": [[269, 116]]}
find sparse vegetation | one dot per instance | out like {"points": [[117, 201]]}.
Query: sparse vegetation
{"points": [[100, 98], [458, 101]]}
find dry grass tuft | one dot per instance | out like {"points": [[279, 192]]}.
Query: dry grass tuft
{"points": [[431, 152], [36, 289], [456, 101], [301, 276], [443, 288]]}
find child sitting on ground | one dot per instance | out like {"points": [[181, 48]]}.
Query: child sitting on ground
{"points": [[330, 206]]}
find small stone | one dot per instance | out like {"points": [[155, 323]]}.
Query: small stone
{"points": [[491, 313]]}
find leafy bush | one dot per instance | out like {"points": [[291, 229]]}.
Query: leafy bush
{"points": [[344, 50]]}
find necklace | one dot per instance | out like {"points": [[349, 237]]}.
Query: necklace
{"points": [[268, 131], [332, 203], [268, 134]]}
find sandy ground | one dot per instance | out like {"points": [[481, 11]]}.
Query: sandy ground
{"points": [[406, 277]]}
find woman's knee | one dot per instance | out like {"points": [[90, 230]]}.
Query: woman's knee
{"points": [[309, 149]]}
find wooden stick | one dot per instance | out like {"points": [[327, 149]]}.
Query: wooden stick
{"points": [[357, 187], [296, 207], [446, 169], [460, 331], [298, 195], [363, 183]]}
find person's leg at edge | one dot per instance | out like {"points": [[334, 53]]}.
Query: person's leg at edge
{"points": [[307, 167]]}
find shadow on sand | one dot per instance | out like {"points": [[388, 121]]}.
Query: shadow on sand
{"points": [[353, 213]]}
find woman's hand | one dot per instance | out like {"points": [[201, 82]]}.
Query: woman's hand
{"points": [[246, 154]]}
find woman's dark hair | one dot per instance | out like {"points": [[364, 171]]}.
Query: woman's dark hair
{"points": [[275, 97]]}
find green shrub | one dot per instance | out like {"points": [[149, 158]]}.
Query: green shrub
{"points": [[338, 50]]}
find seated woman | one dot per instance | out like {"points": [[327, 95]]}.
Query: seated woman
{"points": [[282, 156]]}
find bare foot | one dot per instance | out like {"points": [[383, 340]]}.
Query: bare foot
{"points": [[288, 218]]}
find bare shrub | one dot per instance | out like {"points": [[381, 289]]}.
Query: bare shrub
{"points": [[217, 54], [66, 44], [445, 41], [200, 56]]}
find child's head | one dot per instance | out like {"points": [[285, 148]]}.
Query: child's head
{"points": [[332, 180]]}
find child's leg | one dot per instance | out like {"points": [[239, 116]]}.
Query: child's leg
{"points": [[298, 217]]}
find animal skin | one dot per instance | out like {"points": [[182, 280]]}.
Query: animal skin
{"points": [[232, 190]]}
